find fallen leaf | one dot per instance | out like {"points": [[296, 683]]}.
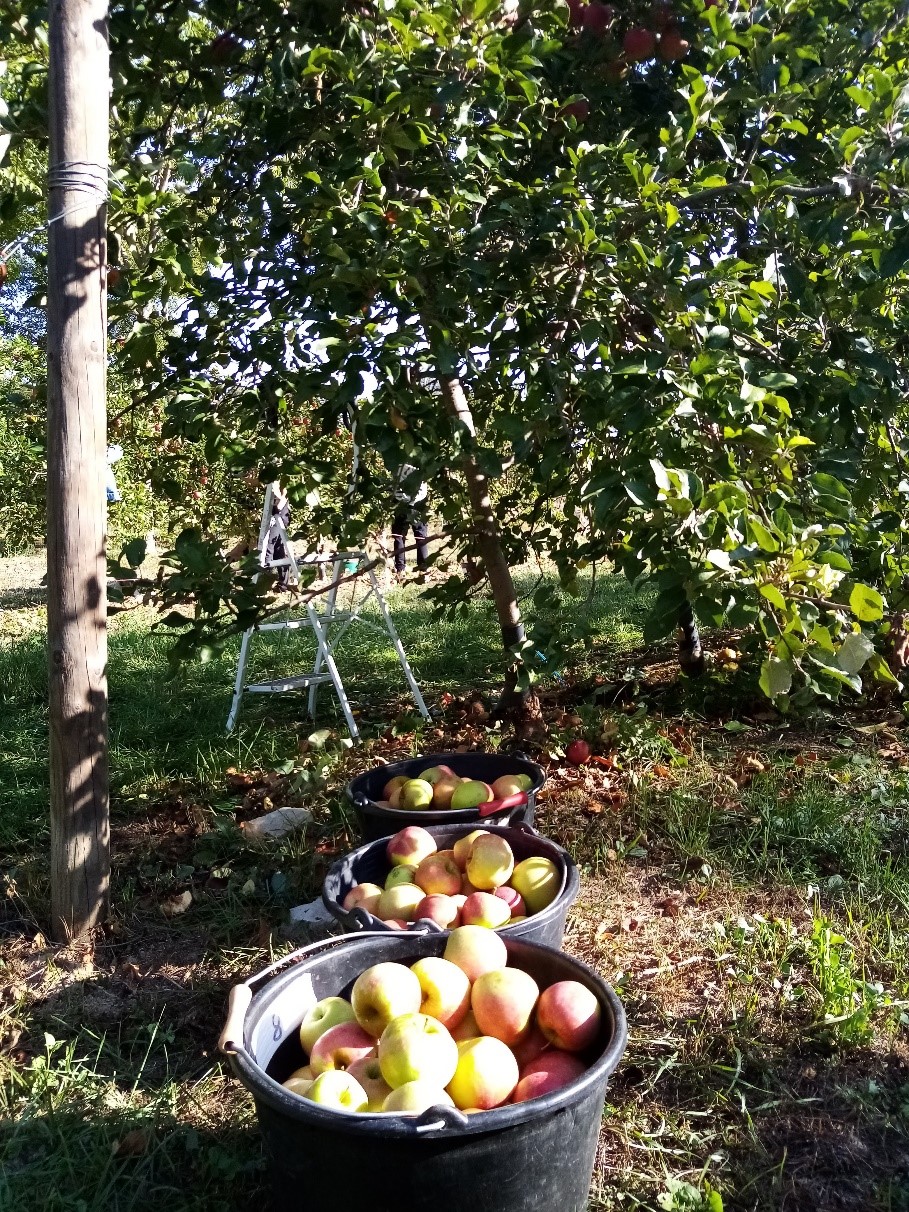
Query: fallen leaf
{"points": [[173, 906], [662, 772], [755, 764], [630, 924], [671, 905], [133, 1144]]}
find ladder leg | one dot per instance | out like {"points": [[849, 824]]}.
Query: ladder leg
{"points": [[329, 660], [399, 647], [238, 684], [320, 650]]}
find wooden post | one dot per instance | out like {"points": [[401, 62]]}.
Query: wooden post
{"points": [[76, 456]]}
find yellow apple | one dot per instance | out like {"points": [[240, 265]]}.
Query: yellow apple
{"points": [[362, 896], [476, 950], [383, 992], [414, 1047], [446, 990], [402, 874], [416, 794], [486, 1074], [413, 1098], [490, 862], [463, 844], [338, 1091], [400, 903], [318, 1019], [538, 880]]}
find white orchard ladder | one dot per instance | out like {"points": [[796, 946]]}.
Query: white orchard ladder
{"points": [[328, 624]]}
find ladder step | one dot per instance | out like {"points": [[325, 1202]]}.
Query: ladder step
{"points": [[280, 685]]}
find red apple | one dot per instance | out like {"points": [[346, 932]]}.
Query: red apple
{"points": [[368, 1073], [660, 15], [435, 774], [340, 1047], [438, 874], [551, 1071], [568, 1014], [440, 909], [512, 899], [639, 45], [580, 111], [578, 753], [476, 950], [530, 1047], [467, 1028], [484, 909], [503, 1003], [410, 846], [673, 46], [597, 18], [576, 12]]}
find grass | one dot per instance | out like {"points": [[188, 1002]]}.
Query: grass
{"points": [[746, 889]]}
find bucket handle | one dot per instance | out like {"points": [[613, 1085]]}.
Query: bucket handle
{"points": [[240, 996], [434, 1119]]}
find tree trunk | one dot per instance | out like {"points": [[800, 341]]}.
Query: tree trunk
{"points": [[76, 508], [691, 655], [488, 540]]}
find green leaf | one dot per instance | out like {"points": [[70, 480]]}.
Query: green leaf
{"points": [[776, 677], [866, 603], [854, 652], [762, 536], [773, 596], [895, 258]]}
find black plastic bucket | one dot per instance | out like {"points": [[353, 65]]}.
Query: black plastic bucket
{"points": [[376, 821], [535, 1156], [369, 865]]}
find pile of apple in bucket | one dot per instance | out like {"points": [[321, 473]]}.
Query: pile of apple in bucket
{"points": [[373, 1044]]}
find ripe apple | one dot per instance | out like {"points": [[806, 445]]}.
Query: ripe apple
{"points": [[414, 1047], [362, 896], [476, 950], [396, 923], [538, 880], [550, 1071], [597, 18], [490, 862], [576, 12], [438, 874], [467, 887], [530, 1047], [442, 792], [393, 785], [440, 909], [639, 44], [525, 782], [660, 15], [467, 1028], [484, 909], [321, 1017], [383, 992], [578, 753], [435, 774], [446, 990], [512, 784], [673, 47], [416, 794], [410, 846], [404, 874], [368, 1073], [394, 800], [503, 1003], [471, 794], [339, 1091], [568, 1014], [413, 1098], [512, 899], [486, 1073], [339, 1047], [400, 903], [462, 846], [458, 900]]}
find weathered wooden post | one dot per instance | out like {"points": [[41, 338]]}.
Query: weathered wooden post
{"points": [[77, 436]]}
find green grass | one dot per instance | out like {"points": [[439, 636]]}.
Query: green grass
{"points": [[768, 1011]]}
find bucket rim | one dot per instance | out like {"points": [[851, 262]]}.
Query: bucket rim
{"points": [[361, 919], [269, 1091]]}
